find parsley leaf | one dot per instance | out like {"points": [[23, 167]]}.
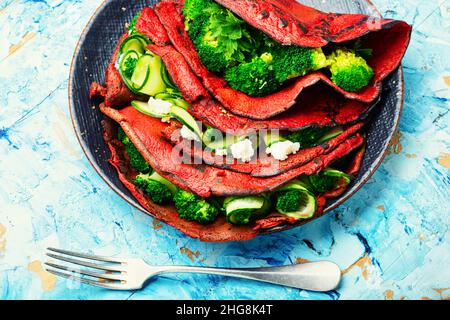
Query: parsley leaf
{"points": [[232, 35], [132, 26], [130, 65]]}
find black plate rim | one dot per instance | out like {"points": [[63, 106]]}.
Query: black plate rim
{"points": [[349, 193]]}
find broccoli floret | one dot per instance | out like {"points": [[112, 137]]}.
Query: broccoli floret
{"points": [[293, 61], [137, 161], [207, 46], [122, 136], [130, 65], [156, 187], [290, 201], [349, 71], [228, 46], [307, 137], [221, 38], [265, 74], [296, 200], [255, 78], [194, 9], [328, 180], [132, 26], [193, 208]]}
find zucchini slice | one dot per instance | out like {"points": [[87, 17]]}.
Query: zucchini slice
{"points": [[307, 201], [147, 77], [148, 109], [156, 177], [165, 96], [142, 72], [329, 180], [134, 43], [185, 118], [166, 78], [333, 133], [174, 99], [181, 103], [216, 140], [122, 67], [241, 211]]}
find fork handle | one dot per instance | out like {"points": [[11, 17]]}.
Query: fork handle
{"points": [[315, 276]]}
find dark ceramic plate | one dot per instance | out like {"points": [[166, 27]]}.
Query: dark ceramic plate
{"points": [[94, 51]]}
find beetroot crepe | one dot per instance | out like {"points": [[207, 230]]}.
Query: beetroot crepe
{"points": [[264, 165], [146, 134], [219, 231], [276, 219], [148, 25], [322, 105], [388, 39]]}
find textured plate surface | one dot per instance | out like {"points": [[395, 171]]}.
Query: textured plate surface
{"points": [[96, 46]]}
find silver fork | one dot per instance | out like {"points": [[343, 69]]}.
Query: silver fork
{"points": [[132, 274]]}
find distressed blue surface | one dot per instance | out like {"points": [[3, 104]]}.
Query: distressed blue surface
{"points": [[390, 238]]}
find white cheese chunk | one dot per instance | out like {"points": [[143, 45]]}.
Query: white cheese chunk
{"points": [[282, 150], [188, 134], [243, 150], [160, 106]]}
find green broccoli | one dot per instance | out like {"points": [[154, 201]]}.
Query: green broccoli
{"points": [[293, 61], [132, 25], [265, 75], [193, 208], [349, 71], [242, 210], [137, 161], [295, 200], [207, 46], [194, 9], [255, 78], [221, 38], [230, 47], [328, 180], [290, 201], [160, 190], [307, 137], [130, 65]]}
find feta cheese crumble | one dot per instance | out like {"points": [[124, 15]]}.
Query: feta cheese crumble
{"points": [[160, 106], [188, 134], [282, 150], [243, 150]]}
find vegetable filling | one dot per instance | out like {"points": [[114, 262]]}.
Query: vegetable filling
{"points": [[253, 63], [296, 200]]}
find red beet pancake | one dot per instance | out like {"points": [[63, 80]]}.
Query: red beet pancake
{"points": [[388, 39], [146, 134]]}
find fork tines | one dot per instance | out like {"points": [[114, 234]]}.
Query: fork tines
{"points": [[111, 277]]}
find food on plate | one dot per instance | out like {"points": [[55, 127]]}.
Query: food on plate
{"points": [[253, 63], [385, 41], [224, 127], [207, 182]]}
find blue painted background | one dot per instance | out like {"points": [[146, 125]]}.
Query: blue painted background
{"points": [[390, 239]]}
